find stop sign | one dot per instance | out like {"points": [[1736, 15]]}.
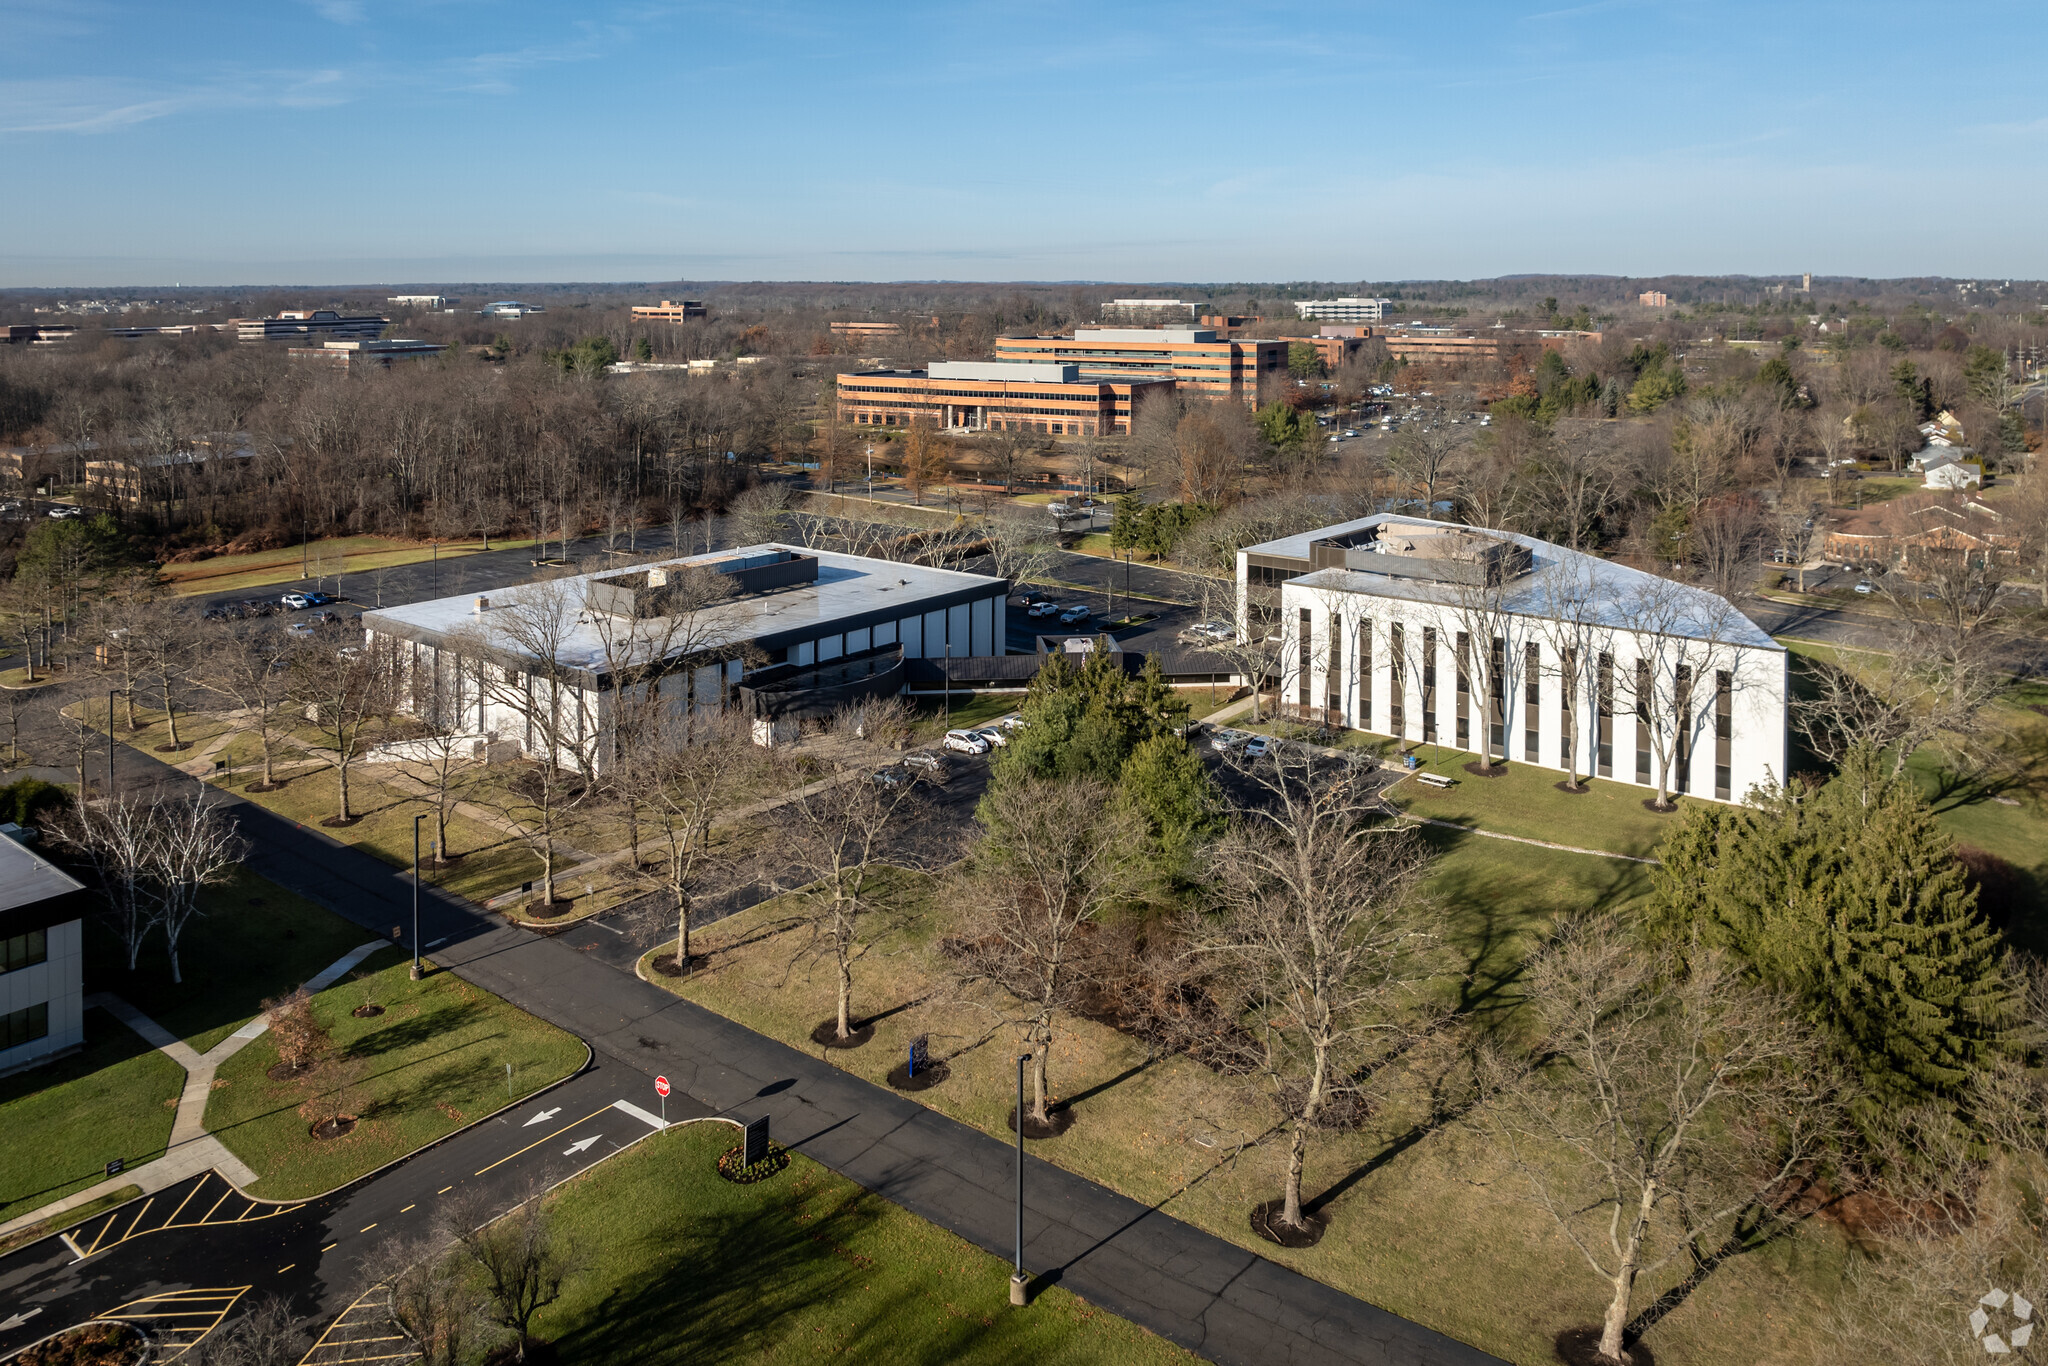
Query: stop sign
{"points": [[661, 1086]]}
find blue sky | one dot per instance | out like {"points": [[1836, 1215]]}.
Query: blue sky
{"points": [[342, 141]]}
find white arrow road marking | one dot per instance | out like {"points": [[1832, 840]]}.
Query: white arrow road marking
{"points": [[580, 1144], [542, 1118], [16, 1320]]}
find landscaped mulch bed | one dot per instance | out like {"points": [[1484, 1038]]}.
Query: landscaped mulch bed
{"points": [[1581, 1347], [1266, 1223], [826, 1035], [1058, 1119]]}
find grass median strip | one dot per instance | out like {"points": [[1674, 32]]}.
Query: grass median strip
{"points": [[682, 1265], [433, 1059]]}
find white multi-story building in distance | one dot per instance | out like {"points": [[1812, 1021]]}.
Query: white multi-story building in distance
{"points": [[421, 300], [1345, 310], [508, 308], [1430, 632]]}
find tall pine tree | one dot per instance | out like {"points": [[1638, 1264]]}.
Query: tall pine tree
{"points": [[1851, 899]]}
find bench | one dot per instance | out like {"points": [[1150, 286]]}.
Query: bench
{"points": [[1435, 780]]}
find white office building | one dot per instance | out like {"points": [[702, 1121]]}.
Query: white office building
{"points": [[793, 626], [42, 977], [1345, 310], [1434, 633]]}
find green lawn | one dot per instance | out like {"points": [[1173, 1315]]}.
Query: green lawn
{"points": [[934, 717], [1497, 898], [433, 1062], [1421, 1210], [490, 861], [253, 940], [65, 1121], [684, 1266], [340, 556], [1524, 801]]}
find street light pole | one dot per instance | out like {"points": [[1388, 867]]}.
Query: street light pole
{"points": [[416, 893], [111, 694], [1017, 1277]]}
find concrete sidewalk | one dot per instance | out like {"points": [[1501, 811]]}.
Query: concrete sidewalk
{"points": [[192, 1149], [1220, 1300], [1216, 1298]]}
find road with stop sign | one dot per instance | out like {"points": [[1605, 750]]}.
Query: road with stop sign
{"points": [[181, 1261]]}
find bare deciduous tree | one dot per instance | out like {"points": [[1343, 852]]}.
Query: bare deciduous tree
{"points": [[265, 1333], [116, 836], [247, 662], [196, 846], [1684, 637], [431, 1302], [844, 899], [1057, 854], [1326, 952], [1664, 1097], [523, 1259], [347, 693]]}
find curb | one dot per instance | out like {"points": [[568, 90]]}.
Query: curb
{"points": [[589, 1056]]}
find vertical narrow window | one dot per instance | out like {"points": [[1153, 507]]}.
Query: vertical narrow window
{"points": [[1642, 699], [1301, 664], [1606, 706], [1335, 684], [1567, 706], [1364, 634], [1497, 698], [1532, 702], [1397, 688], [1429, 682], [1464, 726], [1681, 717], [1724, 734]]}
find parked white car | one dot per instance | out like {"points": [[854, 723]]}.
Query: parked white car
{"points": [[1076, 613], [298, 602], [994, 735], [964, 742]]}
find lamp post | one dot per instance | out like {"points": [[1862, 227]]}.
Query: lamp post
{"points": [[416, 893], [1017, 1277], [112, 693]]}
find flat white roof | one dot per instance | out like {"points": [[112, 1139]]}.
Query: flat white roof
{"points": [[1145, 334], [27, 878], [1528, 595], [847, 587], [1007, 371]]}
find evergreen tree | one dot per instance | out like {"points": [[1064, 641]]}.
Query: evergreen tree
{"points": [[1851, 899], [1128, 525], [1096, 723], [1914, 976]]}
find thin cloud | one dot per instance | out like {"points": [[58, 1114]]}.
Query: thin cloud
{"points": [[1575, 11], [94, 105]]}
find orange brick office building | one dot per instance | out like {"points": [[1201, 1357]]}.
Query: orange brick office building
{"points": [[1195, 358], [997, 396]]}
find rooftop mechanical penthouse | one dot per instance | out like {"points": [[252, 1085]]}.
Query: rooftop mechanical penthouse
{"points": [[547, 667], [1435, 633]]}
